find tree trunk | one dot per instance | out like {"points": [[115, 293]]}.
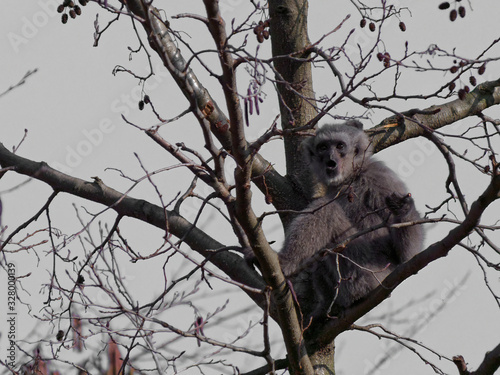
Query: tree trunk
{"points": [[323, 360], [289, 39], [288, 27]]}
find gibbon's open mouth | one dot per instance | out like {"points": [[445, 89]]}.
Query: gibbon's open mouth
{"points": [[331, 171]]}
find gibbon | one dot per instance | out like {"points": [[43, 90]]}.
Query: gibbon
{"points": [[359, 194]]}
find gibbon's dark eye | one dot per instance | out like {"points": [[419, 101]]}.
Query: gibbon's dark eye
{"points": [[340, 145], [322, 147], [356, 151]]}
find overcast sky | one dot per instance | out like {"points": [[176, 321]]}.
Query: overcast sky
{"points": [[72, 109]]}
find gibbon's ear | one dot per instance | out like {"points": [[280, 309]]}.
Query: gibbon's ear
{"points": [[355, 123], [307, 148]]}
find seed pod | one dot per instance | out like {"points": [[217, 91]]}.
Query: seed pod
{"points": [[72, 13], [466, 89], [260, 38], [371, 26], [265, 34], [250, 105], [141, 105], [147, 100], [362, 23], [444, 5], [60, 8], [82, 2], [452, 86], [402, 26], [245, 101], [453, 15], [78, 10], [472, 80], [380, 56], [256, 102], [60, 335], [71, 4], [64, 18], [454, 69], [481, 69], [461, 94], [461, 11]]}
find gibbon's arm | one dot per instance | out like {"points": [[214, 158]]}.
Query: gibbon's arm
{"points": [[322, 222]]}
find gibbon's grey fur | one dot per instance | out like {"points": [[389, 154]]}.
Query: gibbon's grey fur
{"points": [[359, 193]]}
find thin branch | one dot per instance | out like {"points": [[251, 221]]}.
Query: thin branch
{"points": [[21, 82]]}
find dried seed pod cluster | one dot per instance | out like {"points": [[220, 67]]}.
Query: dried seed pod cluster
{"points": [[459, 10], [253, 98], [472, 79], [69, 9], [60, 335], [261, 30], [146, 100], [463, 92], [372, 26], [385, 58]]}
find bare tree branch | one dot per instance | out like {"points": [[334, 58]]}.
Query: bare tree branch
{"points": [[232, 264], [271, 270], [489, 366], [400, 127], [21, 82], [265, 177]]}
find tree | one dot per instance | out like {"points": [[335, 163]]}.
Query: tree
{"points": [[267, 48]]}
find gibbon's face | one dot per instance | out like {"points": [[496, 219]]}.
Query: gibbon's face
{"points": [[337, 152], [333, 159], [336, 156]]}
